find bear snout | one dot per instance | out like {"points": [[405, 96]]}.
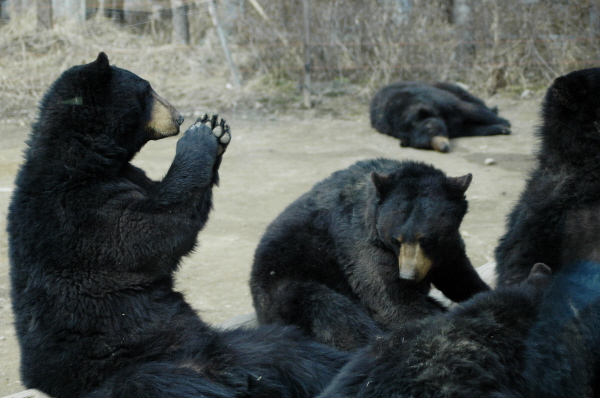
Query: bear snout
{"points": [[440, 143], [164, 118], [413, 263]]}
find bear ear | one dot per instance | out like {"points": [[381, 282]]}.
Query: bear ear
{"points": [[461, 183], [101, 62], [380, 182], [539, 276]]}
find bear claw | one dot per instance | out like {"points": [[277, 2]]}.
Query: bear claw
{"points": [[219, 128]]}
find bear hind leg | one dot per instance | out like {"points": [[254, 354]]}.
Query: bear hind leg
{"points": [[484, 130], [162, 380], [323, 314]]}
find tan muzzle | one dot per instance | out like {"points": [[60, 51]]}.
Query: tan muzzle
{"points": [[440, 143], [414, 264], [164, 119]]}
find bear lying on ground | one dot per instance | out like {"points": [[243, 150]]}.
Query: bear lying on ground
{"points": [[425, 116], [557, 217], [475, 350], [94, 244], [357, 254]]}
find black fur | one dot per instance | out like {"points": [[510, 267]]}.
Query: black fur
{"points": [[563, 347], [93, 247], [417, 112], [330, 262], [475, 350], [557, 218]]}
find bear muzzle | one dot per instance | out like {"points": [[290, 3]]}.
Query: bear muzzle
{"points": [[164, 118], [413, 262], [440, 143]]}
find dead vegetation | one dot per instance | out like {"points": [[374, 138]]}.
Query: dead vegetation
{"points": [[31, 60], [356, 47], [522, 44]]}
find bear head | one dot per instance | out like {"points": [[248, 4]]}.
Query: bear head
{"points": [[420, 212], [99, 101], [427, 129], [576, 94], [571, 118]]}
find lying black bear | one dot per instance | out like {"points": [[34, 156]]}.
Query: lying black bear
{"points": [[425, 116], [475, 350], [358, 252], [557, 217], [94, 244]]}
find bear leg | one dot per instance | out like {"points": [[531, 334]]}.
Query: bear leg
{"points": [[476, 114], [458, 281], [162, 380], [481, 130], [323, 314]]}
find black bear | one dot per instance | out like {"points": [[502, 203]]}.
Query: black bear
{"points": [[475, 350], [562, 358], [557, 217], [94, 244], [426, 116], [357, 254]]}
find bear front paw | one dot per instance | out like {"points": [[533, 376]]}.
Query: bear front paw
{"points": [[219, 128], [504, 122]]}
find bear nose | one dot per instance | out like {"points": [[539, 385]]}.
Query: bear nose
{"points": [[180, 119]]}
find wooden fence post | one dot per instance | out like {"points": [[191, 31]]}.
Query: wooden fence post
{"points": [[307, 61], [181, 30], [463, 19], [212, 10], [44, 14]]}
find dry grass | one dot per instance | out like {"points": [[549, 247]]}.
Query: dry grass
{"points": [[516, 44], [358, 46], [31, 60]]}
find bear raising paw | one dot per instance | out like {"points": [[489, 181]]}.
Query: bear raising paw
{"points": [[94, 246], [219, 127]]}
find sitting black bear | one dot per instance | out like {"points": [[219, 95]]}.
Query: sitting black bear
{"points": [[94, 243], [557, 218], [475, 350], [358, 253], [425, 116]]}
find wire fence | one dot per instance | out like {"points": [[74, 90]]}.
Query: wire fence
{"points": [[510, 43], [494, 45]]}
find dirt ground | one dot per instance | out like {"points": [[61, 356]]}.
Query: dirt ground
{"points": [[270, 162]]}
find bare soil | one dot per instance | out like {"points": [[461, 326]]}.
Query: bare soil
{"points": [[271, 161]]}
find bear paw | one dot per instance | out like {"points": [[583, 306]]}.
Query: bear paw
{"points": [[219, 128], [504, 122], [505, 129]]}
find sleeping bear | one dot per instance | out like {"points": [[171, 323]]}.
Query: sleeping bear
{"points": [[94, 245], [426, 116], [357, 254]]}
